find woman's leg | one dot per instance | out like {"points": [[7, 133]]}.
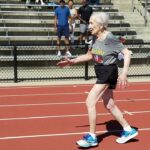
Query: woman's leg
{"points": [[94, 95], [111, 106], [128, 132]]}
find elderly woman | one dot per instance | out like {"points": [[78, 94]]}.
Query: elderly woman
{"points": [[104, 52]]}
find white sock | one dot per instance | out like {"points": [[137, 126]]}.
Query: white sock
{"points": [[93, 135], [127, 128]]}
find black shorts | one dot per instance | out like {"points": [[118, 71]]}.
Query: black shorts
{"points": [[107, 74], [63, 31]]}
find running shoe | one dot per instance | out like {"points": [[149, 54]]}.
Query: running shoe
{"points": [[59, 53], [87, 141], [126, 136], [68, 54]]}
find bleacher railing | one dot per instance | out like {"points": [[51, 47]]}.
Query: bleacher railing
{"points": [[142, 8]]}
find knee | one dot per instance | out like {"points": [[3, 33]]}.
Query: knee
{"points": [[89, 104], [111, 105]]}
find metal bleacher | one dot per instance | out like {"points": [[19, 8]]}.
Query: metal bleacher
{"points": [[20, 24]]}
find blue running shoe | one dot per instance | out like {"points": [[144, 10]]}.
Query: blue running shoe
{"points": [[87, 141], [126, 136]]}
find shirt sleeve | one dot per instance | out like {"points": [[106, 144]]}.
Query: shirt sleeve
{"points": [[92, 41], [116, 44]]}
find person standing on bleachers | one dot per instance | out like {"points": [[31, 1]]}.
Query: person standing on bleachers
{"points": [[74, 15], [84, 14], [61, 24], [36, 1]]}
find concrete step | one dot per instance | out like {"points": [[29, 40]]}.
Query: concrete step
{"points": [[25, 7], [51, 29], [48, 40], [47, 21]]}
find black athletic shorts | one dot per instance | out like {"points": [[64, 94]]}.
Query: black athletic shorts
{"points": [[107, 74]]}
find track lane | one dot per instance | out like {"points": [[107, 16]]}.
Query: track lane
{"points": [[68, 97], [69, 109], [68, 143], [67, 125], [66, 89], [70, 124]]}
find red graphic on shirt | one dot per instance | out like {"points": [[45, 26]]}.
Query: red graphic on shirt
{"points": [[98, 58]]}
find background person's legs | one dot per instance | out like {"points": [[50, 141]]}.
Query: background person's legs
{"points": [[83, 31], [72, 33], [58, 46], [37, 1], [67, 43]]}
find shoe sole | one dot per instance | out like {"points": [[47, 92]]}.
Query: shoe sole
{"points": [[132, 136], [92, 145]]}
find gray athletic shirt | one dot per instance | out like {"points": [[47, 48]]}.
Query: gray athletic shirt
{"points": [[106, 52]]}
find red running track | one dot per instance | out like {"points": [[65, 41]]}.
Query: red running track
{"points": [[54, 117]]}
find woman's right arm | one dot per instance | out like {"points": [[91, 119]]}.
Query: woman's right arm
{"points": [[79, 59]]}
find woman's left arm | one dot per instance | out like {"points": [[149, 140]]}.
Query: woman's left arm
{"points": [[122, 80]]}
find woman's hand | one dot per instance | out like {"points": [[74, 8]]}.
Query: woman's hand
{"points": [[122, 81], [65, 62]]}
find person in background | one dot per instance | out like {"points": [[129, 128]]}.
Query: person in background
{"points": [[74, 15], [61, 24], [84, 14], [104, 52]]}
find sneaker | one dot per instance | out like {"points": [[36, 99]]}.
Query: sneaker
{"points": [[88, 42], [68, 54], [59, 53], [43, 4], [37, 1], [126, 136], [87, 141], [27, 1], [80, 43]]}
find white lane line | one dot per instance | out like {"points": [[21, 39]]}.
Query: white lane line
{"points": [[127, 112], [71, 93], [46, 86], [130, 91], [68, 103], [62, 134], [41, 104], [42, 94], [42, 117], [86, 92], [65, 116]]}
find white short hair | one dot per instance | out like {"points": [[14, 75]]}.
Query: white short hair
{"points": [[101, 18]]}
